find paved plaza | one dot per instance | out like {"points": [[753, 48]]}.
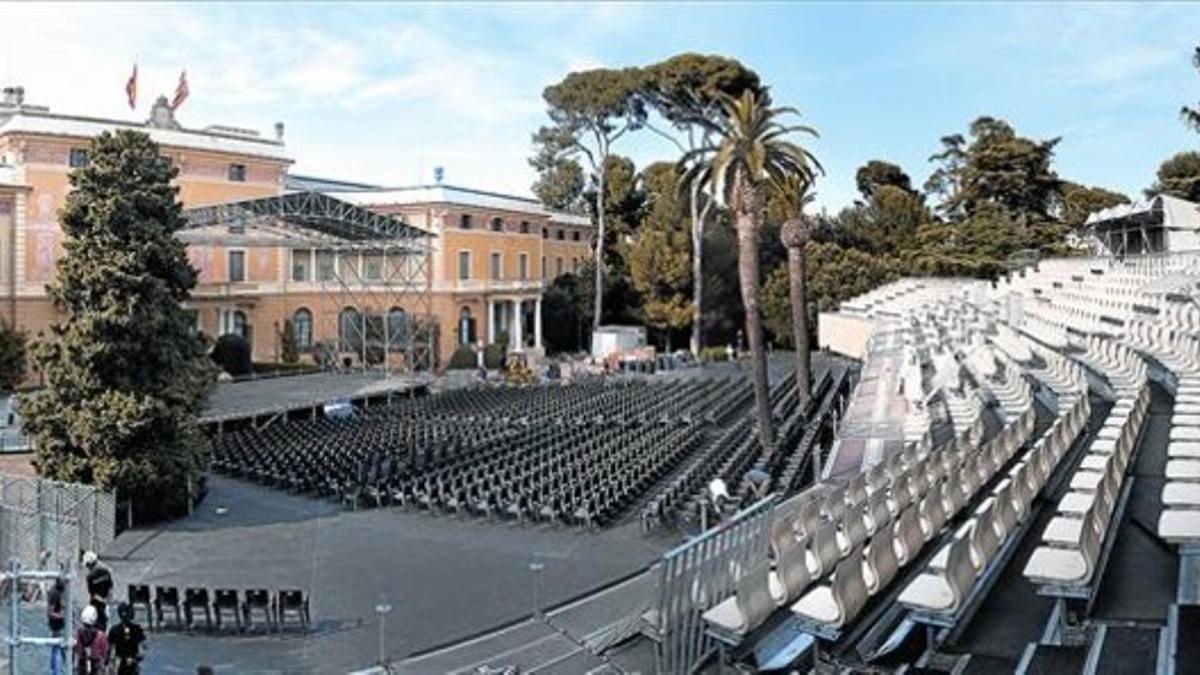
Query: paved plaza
{"points": [[447, 578]]}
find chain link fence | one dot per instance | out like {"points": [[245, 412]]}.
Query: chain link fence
{"points": [[45, 524]]}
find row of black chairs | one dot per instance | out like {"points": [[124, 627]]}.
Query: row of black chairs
{"points": [[580, 454], [194, 602], [732, 453]]}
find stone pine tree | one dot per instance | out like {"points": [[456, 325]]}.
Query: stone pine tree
{"points": [[125, 375], [688, 91], [590, 111]]}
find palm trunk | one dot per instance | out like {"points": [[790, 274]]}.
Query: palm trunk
{"points": [[697, 276], [797, 280], [747, 234]]}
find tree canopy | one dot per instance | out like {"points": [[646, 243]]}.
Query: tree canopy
{"points": [[1080, 201], [1179, 176], [835, 274], [125, 373], [878, 173], [658, 255], [998, 168], [1191, 116], [560, 183], [688, 89], [590, 111]]}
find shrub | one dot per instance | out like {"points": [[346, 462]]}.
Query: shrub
{"points": [[464, 358], [232, 354], [713, 354], [493, 356]]}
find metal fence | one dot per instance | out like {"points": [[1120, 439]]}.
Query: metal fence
{"points": [[695, 576], [45, 523]]}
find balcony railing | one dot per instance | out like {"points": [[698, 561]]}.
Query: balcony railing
{"points": [[492, 285]]}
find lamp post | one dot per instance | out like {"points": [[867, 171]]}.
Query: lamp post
{"points": [[536, 568], [382, 609]]}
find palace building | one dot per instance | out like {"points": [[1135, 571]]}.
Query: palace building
{"points": [[485, 258]]}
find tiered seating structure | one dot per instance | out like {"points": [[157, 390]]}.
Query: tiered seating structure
{"points": [[945, 519]]}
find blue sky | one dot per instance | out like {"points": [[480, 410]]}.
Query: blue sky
{"points": [[383, 93]]}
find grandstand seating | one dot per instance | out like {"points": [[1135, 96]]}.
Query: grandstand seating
{"points": [[1011, 371]]}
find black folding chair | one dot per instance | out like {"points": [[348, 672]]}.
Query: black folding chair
{"points": [[138, 595], [193, 599], [167, 597], [257, 599], [226, 600], [293, 602]]}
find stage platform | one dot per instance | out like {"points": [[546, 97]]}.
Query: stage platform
{"points": [[253, 399]]}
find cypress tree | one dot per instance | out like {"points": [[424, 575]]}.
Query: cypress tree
{"points": [[289, 351], [125, 373]]}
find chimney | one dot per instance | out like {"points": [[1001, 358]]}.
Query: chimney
{"points": [[279, 131], [19, 95], [10, 96]]}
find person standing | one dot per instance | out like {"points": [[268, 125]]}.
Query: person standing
{"points": [[760, 482], [56, 621], [126, 641], [99, 587], [91, 645]]}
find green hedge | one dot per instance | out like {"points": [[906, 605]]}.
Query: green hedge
{"points": [[266, 368], [232, 353], [493, 356], [713, 354]]}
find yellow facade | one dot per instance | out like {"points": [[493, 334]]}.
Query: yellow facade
{"points": [[494, 276]]}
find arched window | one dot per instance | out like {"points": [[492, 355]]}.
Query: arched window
{"points": [[466, 327], [397, 327], [350, 330], [302, 325]]}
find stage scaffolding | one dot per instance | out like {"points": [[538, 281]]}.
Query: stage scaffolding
{"points": [[371, 272]]}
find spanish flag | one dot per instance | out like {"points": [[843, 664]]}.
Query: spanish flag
{"points": [[131, 89]]}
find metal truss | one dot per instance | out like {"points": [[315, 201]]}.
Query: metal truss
{"points": [[312, 211], [380, 264], [359, 299]]}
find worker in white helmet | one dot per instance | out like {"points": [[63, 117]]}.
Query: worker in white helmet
{"points": [[99, 587], [91, 645]]}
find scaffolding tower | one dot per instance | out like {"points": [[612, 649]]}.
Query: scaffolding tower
{"points": [[371, 272]]}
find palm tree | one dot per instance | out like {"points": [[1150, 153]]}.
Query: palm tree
{"points": [[793, 192], [751, 149]]}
